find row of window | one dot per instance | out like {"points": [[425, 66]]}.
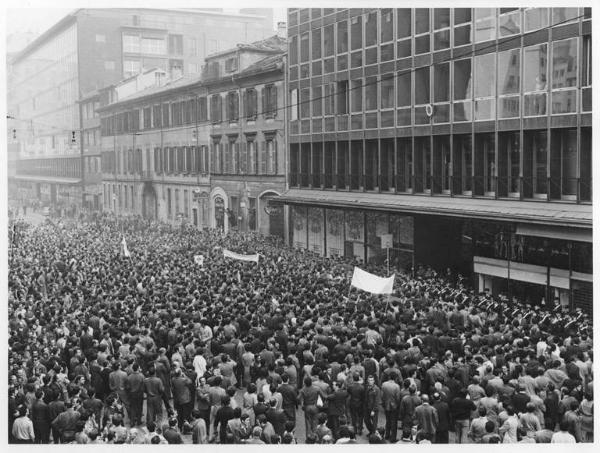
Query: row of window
{"points": [[320, 45], [152, 45], [439, 18], [540, 165], [506, 84], [193, 111], [230, 157], [60, 167]]}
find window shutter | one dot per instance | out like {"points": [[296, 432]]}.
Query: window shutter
{"points": [[275, 159], [264, 101], [263, 158], [236, 158], [273, 100], [243, 162]]}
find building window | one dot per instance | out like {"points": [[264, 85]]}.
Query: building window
{"points": [[250, 104], [154, 46], [509, 22], [535, 159], [356, 95], [463, 164], [463, 90], [193, 47], [387, 91], [131, 67], [216, 157], [485, 86], [269, 101], [371, 85], [387, 25], [165, 115], [215, 109], [422, 165], [293, 104], [485, 165], [586, 74], [356, 32], [293, 50], [563, 15], [131, 43], [485, 24], [304, 47], [422, 28], [231, 64], [403, 32], [564, 76], [509, 71], [441, 92], [563, 164], [147, 118], [535, 18], [233, 107], [176, 44], [441, 26], [317, 101], [509, 164], [304, 103], [328, 41], [535, 70], [342, 95], [271, 152], [422, 94], [462, 26], [371, 31]]}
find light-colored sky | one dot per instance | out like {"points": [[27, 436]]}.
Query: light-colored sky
{"points": [[39, 20]]}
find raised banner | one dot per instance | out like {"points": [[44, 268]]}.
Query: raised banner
{"points": [[125, 249], [237, 256], [372, 283]]}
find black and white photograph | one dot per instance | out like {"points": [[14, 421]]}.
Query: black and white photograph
{"points": [[290, 224]]}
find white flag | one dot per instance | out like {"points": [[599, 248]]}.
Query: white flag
{"points": [[372, 283], [199, 259], [125, 249], [237, 256]]}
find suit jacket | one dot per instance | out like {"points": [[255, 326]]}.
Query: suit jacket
{"points": [[289, 394], [427, 418], [134, 384], [277, 418], [40, 415], [390, 395]]}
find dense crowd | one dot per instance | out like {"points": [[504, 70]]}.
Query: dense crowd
{"points": [[155, 348]]}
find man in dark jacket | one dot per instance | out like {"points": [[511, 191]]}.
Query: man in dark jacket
{"points": [[66, 423], [336, 408], [357, 398], [372, 402], [289, 394], [461, 408], [390, 398], [181, 396], [154, 389], [40, 416], [443, 411], [134, 386], [276, 417]]}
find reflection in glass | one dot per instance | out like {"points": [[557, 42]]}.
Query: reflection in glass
{"points": [[535, 64], [509, 24], [462, 79], [485, 75]]}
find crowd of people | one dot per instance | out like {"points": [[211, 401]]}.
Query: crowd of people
{"points": [[156, 348]]}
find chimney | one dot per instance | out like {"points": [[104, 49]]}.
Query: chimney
{"points": [[282, 30]]}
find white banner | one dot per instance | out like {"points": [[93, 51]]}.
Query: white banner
{"points": [[199, 259], [125, 249], [372, 283], [237, 256]]}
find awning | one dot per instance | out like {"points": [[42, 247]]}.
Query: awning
{"points": [[548, 231], [558, 214], [48, 179]]}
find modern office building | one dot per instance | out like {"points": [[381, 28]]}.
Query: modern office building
{"points": [[208, 151], [90, 49], [465, 133]]}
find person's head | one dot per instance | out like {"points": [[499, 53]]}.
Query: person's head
{"points": [[490, 426], [237, 412], [226, 400], [307, 381], [482, 411], [371, 380], [151, 426], [322, 418]]}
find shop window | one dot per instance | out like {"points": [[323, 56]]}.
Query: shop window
{"points": [[329, 165], [343, 165], [356, 165], [563, 164], [535, 160], [387, 177], [463, 165], [423, 161], [509, 164]]}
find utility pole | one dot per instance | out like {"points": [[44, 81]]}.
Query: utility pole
{"points": [[81, 151]]}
